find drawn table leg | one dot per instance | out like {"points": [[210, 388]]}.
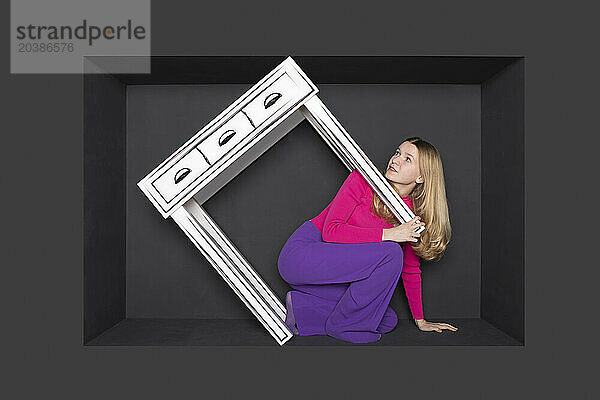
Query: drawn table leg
{"points": [[233, 268]]}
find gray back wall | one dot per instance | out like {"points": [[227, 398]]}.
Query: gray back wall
{"points": [[291, 183]]}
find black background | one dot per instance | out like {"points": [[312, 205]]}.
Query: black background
{"points": [[41, 177]]}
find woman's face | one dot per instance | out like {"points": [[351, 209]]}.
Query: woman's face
{"points": [[403, 167]]}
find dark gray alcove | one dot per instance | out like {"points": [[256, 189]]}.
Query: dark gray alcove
{"points": [[146, 284]]}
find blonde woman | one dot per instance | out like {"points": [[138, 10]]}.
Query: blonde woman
{"points": [[344, 264]]}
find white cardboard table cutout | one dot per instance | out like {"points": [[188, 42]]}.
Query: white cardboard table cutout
{"points": [[223, 148]]}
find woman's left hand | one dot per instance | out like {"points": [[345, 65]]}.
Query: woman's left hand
{"points": [[434, 326]]}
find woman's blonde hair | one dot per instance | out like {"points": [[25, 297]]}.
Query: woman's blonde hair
{"points": [[429, 202]]}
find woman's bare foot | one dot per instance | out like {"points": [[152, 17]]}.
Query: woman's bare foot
{"points": [[290, 321]]}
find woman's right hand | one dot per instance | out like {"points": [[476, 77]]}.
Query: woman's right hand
{"points": [[404, 232]]}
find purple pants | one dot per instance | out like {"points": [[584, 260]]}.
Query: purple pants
{"points": [[341, 289]]}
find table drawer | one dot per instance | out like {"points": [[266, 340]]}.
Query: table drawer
{"points": [[232, 132], [171, 182], [279, 93]]}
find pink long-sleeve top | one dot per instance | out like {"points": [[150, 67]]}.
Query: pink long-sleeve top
{"points": [[348, 219]]}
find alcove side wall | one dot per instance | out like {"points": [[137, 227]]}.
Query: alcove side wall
{"points": [[502, 200], [104, 204]]}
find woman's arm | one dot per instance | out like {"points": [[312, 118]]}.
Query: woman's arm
{"points": [[336, 227], [411, 278]]}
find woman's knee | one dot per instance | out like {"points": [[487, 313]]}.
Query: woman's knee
{"points": [[287, 265], [394, 251], [282, 267]]}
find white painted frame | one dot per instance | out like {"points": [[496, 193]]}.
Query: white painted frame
{"points": [[206, 235]]}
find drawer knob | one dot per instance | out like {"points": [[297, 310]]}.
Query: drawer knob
{"points": [[182, 173], [271, 99], [225, 137]]}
